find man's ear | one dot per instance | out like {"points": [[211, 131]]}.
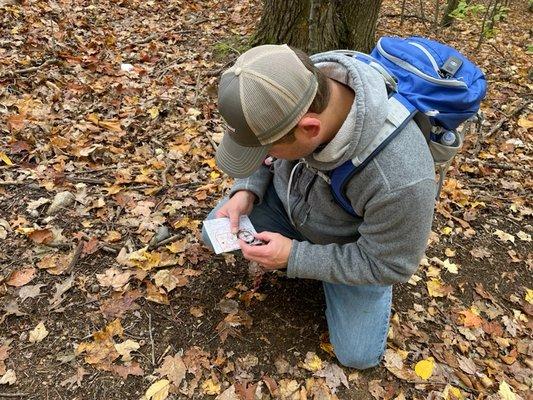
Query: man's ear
{"points": [[310, 126]]}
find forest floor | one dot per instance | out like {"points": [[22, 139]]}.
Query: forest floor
{"points": [[114, 102]]}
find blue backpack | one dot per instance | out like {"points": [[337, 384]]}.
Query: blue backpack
{"points": [[427, 81]]}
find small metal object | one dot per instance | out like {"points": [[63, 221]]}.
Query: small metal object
{"points": [[451, 66], [248, 237]]}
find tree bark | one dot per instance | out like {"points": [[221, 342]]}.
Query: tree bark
{"points": [[450, 6], [319, 25]]}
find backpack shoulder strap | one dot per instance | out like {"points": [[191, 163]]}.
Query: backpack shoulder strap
{"points": [[400, 113]]}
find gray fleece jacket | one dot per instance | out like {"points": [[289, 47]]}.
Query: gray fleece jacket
{"points": [[394, 194]]}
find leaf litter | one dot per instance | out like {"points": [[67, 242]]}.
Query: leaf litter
{"points": [[106, 146]]}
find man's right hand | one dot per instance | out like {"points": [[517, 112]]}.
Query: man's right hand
{"points": [[241, 203]]}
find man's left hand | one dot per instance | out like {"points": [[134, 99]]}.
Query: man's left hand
{"points": [[274, 254]]}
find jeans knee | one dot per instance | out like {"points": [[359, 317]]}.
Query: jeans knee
{"points": [[353, 359]]}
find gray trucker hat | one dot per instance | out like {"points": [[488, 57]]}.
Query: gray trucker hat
{"points": [[261, 98]]}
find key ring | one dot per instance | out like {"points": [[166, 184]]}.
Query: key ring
{"points": [[248, 237]]}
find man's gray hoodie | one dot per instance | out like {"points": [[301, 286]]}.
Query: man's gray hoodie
{"points": [[394, 194]]}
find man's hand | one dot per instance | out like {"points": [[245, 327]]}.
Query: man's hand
{"points": [[274, 254], [241, 203]]}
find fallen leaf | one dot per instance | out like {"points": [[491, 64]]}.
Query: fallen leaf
{"points": [[38, 333], [30, 291], [114, 278], [21, 277], [287, 388], [436, 288], [5, 158], [480, 252], [173, 368], [334, 376], [529, 296], [450, 267], [155, 295], [4, 352], [376, 389], [467, 365], [312, 362], [471, 319], [503, 236], [125, 370], [196, 311], [526, 237], [41, 236], [505, 391], [9, 378], [125, 348], [61, 288], [424, 368], [158, 390], [211, 387]]}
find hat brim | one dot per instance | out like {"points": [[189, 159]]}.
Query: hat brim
{"points": [[239, 161]]}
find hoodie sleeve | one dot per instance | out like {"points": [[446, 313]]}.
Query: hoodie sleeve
{"points": [[256, 183], [393, 240]]}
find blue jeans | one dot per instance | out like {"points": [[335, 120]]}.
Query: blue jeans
{"points": [[357, 316]]}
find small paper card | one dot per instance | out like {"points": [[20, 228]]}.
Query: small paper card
{"points": [[219, 232]]}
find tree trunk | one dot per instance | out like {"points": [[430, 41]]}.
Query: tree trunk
{"points": [[450, 6], [319, 25]]}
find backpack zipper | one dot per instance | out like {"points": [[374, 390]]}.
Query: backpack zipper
{"points": [[405, 65]]}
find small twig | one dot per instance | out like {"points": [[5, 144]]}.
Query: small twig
{"points": [[196, 89], [31, 69], [516, 111], [151, 338], [163, 242], [86, 180], [15, 394], [77, 255], [12, 183]]}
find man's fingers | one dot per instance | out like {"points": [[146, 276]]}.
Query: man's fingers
{"points": [[265, 236], [254, 251], [234, 221]]}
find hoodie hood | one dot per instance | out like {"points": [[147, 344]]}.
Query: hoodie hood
{"points": [[367, 114]]}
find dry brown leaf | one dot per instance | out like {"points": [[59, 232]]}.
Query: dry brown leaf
{"points": [[41, 236], [21, 277], [38, 333], [119, 304], [155, 295], [173, 368], [30, 291]]}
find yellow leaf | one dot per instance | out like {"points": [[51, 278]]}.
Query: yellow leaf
{"points": [[38, 334], [5, 158], [211, 162], [452, 393], [214, 175], [525, 123], [158, 390], [446, 230], [210, 387], [312, 362], [529, 296], [154, 112], [435, 288], [450, 267], [505, 391], [424, 368], [178, 247]]}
